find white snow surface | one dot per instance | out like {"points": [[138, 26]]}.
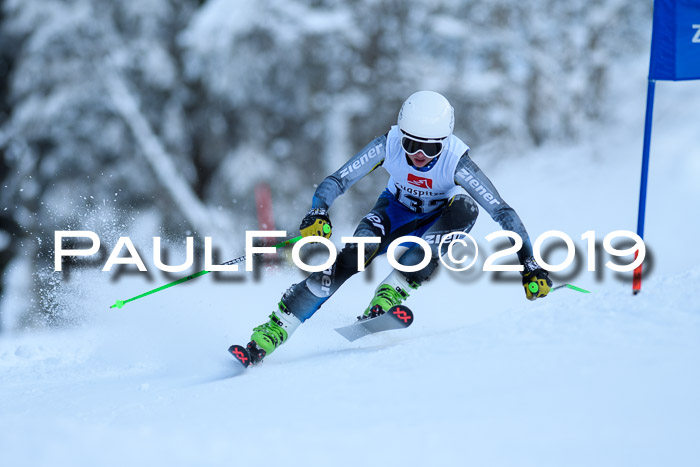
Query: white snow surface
{"points": [[483, 377]]}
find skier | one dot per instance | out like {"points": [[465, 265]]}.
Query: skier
{"points": [[430, 170]]}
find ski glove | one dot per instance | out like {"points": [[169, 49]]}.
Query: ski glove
{"points": [[316, 222], [535, 280]]}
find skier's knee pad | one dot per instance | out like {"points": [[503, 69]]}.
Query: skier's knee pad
{"points": [[462, 212], [347, 258]]}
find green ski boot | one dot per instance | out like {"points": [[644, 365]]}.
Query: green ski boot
{"points": [[391, 292], [270, 335]]}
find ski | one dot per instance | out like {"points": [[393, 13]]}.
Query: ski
{"points": [[398, 317], [241, 354]]}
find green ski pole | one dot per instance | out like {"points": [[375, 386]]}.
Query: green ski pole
{"points": [[534, 288], [121, 303]]}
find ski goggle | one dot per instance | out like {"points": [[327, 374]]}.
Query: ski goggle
{"points": [[430, 147]]}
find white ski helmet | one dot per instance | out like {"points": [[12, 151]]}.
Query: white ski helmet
{"points": [[427, 115]]}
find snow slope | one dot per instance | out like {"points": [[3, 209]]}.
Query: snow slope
{"points": [[483, 377]]}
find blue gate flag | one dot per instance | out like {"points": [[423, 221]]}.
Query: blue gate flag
{"points": [[675, 40]]}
